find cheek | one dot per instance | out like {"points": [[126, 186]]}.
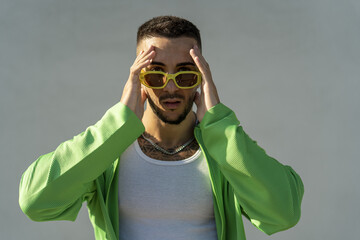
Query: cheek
{"points": [[191, 96], [151, 93]]}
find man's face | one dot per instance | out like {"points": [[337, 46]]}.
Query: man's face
{"points": [[171, 104]]}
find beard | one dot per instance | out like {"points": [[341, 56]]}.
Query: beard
{"points": [[158, 112]]}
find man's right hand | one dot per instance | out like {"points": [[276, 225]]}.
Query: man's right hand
{"points": [[134, 95]]}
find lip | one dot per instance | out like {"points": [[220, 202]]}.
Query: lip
{"points": [[171, 103]]}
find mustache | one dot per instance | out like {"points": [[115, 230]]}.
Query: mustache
{"points": [[171, 96]]}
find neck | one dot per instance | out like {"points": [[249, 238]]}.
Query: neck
{"points": [[169, 135]]}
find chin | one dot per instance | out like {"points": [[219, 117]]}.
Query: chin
{"points": [[174, 120], [175, 116]]}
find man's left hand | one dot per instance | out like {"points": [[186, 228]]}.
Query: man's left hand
{"points": [[208, 97]]}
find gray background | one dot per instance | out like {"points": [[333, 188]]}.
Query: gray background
{"points": [[289, 69]]}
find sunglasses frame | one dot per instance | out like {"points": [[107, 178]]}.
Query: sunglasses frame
{"points": [[168, 77]]}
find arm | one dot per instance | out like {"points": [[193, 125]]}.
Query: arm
{"points": [[56, 184], [269, 193]]}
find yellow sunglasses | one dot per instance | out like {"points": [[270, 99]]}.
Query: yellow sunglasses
{"points": [[158, 79]]}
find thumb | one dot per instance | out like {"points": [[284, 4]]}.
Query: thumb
{"points": [[143, 96], [197, 99]]}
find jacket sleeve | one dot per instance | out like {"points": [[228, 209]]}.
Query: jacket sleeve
{"points": [[56, 184], [269, 193]]}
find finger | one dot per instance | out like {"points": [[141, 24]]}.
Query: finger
{"points": [[143, 62], [195, 58], [142, 65], [200, 64], [146, 51], [139, 55], [150, 55], [145, 56], [197, 52]]}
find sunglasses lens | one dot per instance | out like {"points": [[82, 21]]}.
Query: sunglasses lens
{"points": [[154, 79], [158, 80], [186, 79]]}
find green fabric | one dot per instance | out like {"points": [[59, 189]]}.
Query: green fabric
{"points": [[244, 179]]}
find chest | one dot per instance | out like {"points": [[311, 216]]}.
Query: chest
{"points": [[150, 188]]}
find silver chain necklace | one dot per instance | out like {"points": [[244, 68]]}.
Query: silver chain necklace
{"points": [[164, 150]]}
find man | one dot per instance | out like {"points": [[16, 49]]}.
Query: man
{"points": [[165, 172]]}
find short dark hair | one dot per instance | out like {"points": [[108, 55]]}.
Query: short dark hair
{"points": [[169, 27]]}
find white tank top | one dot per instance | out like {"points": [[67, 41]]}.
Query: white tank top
{"points": [[162, 200]]}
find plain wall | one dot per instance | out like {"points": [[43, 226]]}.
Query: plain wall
{"points": [[289, 69]]}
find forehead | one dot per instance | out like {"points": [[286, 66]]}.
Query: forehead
{"points": [[169, 50]]}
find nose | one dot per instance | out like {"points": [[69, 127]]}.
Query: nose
{"points": [[170, 86]]}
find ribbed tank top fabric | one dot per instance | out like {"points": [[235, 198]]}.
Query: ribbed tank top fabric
{"points": [[162, 200]]}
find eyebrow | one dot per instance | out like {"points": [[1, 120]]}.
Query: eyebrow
{"points": [[157, 63], [178, 65], [185, 64]]}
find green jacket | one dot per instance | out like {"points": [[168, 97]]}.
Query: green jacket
{"points": [[244, 179]]}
